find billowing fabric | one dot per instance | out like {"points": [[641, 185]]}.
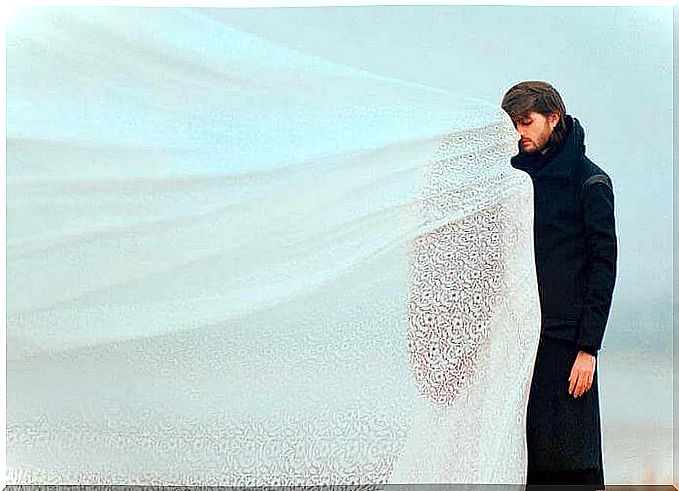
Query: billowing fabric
{"points": [[231, 263]]}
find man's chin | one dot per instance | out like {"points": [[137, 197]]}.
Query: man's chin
{"points": [[533, 149]]}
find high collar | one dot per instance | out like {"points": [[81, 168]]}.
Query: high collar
{"points": [[557, 164]]}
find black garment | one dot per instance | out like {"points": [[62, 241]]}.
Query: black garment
{"points": [[575, 240], [563, 433], [575, 257], [564, 481]]}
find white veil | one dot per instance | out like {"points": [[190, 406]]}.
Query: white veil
{"points": [[232, 263]]}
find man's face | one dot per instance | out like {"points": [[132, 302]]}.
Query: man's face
{"points": [[535, 130]]}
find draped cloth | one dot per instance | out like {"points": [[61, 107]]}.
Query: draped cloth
{"points": [[230, 262]]}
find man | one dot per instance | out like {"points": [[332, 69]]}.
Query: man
{"points": [[575, 256]]}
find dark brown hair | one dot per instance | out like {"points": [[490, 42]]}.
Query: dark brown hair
{"points": [[539, 97]]}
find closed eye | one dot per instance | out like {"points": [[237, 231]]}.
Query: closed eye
{"points": [[525, 122]]}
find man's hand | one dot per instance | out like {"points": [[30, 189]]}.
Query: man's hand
{"points": [[582, 374]]}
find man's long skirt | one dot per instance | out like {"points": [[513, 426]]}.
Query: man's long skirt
{"points": [[563, 433]]}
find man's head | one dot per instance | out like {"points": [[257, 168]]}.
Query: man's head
{"points": [[538, 111]]}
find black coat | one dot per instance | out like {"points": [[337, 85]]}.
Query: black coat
{"points": [[575, 256], [575, 240]]}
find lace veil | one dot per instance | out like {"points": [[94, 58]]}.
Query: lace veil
{"points": [[233, 263]]}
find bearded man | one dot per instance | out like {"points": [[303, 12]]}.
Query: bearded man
{"points": [[575, 256]]}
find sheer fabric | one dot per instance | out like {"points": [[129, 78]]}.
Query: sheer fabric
{"points": [[232, 263]]}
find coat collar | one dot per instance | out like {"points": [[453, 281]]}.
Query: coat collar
{"points": [[560, 165]]}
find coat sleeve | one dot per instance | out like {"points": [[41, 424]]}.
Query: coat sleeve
{"points": [[601, 243]]}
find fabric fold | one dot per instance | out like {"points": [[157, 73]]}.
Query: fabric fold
{"points": [[233, 263]]}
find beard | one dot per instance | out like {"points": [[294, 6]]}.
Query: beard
{"points": [[541, 146]]}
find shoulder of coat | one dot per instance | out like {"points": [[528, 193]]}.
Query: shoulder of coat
{"points": [[591, 174], [590, 169]]}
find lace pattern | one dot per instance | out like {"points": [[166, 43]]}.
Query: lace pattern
{"points": [[216, 278]]}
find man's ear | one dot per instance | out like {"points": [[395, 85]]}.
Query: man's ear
{"points": [[553, 119]]}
